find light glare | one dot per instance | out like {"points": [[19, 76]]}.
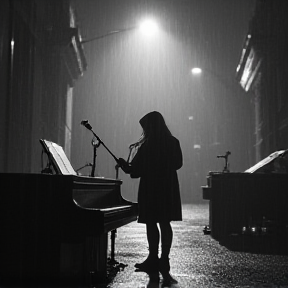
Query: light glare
{"points": [[149, 27], [196, 71]]}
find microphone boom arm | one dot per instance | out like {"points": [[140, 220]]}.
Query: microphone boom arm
{"points": [[89, 127], [101, 142]]}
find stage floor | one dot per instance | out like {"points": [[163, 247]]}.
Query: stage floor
{"points": [[197, 260]]}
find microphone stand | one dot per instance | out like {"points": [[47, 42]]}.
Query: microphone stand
{"points": [[88, 164], [226, 167], [89, 127], [95, 146]]}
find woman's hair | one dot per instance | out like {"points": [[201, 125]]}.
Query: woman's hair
{"points": [[154, 126]]}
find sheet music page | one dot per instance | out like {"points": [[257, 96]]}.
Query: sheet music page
{"points": [[265, 161], [60, 158]]}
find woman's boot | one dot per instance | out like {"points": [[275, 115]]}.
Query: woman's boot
{"points": [[150, 265], [164, 269]]}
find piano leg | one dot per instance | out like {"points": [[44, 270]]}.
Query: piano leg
{"points": [[72, 262], [96, 259], [84, 262], [112, 237]]}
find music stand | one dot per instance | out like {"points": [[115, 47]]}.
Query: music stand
{"points": [[57, 158], [262, 166]]}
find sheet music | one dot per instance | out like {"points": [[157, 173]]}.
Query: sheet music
{"points": [[59, 157], [265, 161]]}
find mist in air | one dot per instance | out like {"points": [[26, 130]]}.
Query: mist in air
{"points": [[130, 74]]}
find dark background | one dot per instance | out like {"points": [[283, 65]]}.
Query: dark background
{"points": [[129, 75]]}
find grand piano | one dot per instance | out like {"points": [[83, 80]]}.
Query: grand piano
{"points": [[54, 228], [248, 210]]}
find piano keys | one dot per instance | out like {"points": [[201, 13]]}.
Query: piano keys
{"points": [[55, 227], [245, 203]]}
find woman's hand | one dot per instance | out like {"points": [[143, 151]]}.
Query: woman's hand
{"points": [[125, 166]]}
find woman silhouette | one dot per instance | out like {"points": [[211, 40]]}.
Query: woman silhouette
{"points": [[156, 163]]}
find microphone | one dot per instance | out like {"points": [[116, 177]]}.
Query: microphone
{"points": [[134, 145], [221, 156], [224, 156], [86, 124]]}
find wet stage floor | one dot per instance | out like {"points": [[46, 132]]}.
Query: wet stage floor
{"points": [[197, 260]]}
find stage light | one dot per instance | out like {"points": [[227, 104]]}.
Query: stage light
{"points": [[149, 27], [196, 70]]}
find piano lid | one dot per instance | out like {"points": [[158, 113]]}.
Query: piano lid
{"points": [[276, 162]]}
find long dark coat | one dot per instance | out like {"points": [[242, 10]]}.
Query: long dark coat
{"points": [[156, 163]]}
